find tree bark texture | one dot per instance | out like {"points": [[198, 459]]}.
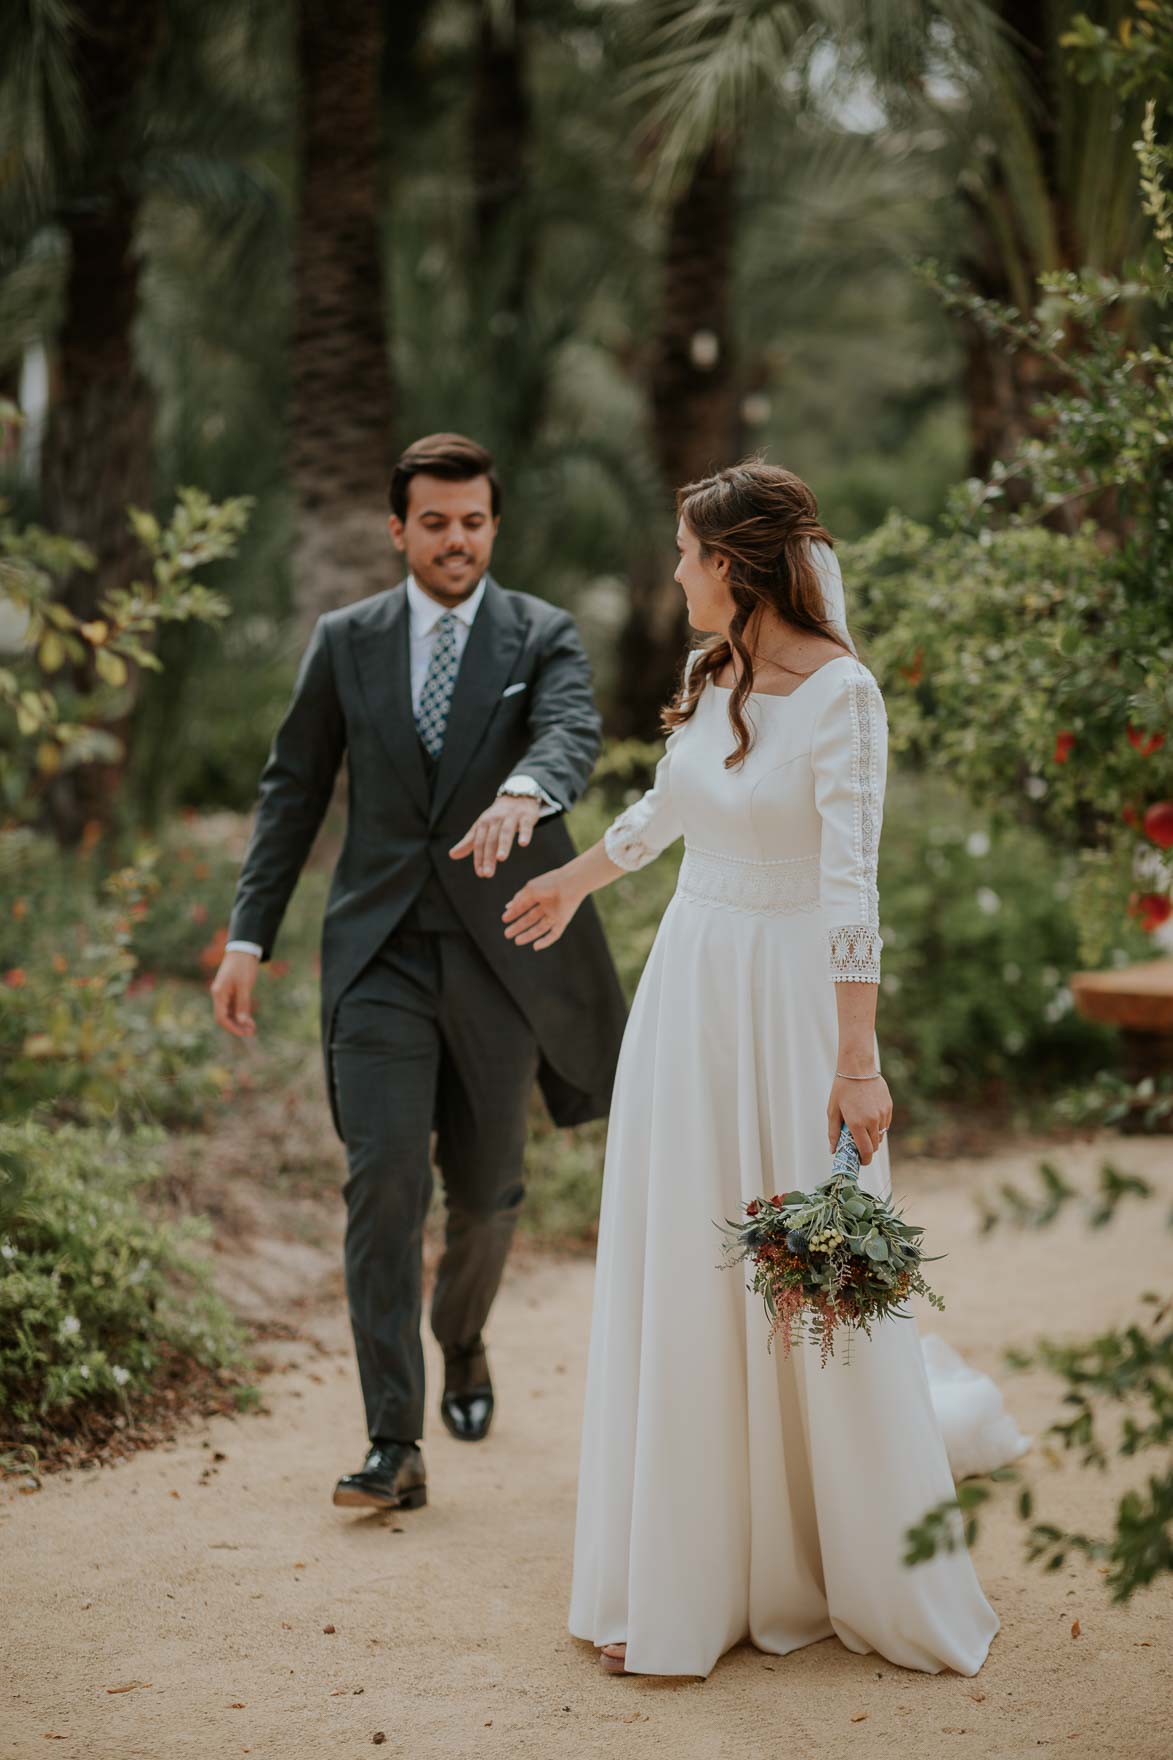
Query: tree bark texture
{"points": [[341, 411], [99, 435], [504, 241], [693, 401]]}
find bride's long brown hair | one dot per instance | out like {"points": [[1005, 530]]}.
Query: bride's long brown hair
{"points": [[764, 519]]}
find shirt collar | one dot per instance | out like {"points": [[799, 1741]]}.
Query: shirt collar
{"points": [[425, 613]]}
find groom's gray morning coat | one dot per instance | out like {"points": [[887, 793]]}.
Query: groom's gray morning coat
{"points": [[353, 698]]}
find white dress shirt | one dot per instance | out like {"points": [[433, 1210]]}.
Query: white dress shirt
{"points": [[423, 614]]}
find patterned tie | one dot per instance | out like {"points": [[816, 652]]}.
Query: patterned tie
{"points": [[431, 718]]}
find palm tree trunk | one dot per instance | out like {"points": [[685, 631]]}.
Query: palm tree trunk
{"points": [[97, 455], [694, 414], [503, 236], [341, 388]]}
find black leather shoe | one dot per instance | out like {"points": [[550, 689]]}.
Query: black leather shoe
{"points": [[391, 1477], [467, 1403]]}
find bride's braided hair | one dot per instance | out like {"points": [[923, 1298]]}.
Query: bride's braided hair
{"points": [[764, 519]]}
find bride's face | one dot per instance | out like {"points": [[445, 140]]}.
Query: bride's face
{"points": [[705, 581]]}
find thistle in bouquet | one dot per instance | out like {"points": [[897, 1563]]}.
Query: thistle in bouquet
{"points": [[830, 1259]]}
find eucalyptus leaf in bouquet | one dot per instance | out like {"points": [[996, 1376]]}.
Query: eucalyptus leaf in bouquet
{"points": [[832, 1258]]}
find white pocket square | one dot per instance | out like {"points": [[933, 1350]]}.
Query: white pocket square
{"points": [[512, 690]]}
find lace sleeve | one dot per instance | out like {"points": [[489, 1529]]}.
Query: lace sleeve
{"points": [[646, 828], [849, 755]]}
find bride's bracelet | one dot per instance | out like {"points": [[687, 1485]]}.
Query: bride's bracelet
{"points": [[847, 1078]]}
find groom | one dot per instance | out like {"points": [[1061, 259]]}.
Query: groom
{"points": [[465, 715]]}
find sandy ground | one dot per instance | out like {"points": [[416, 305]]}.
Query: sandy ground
{"points": [[243, 1614]]}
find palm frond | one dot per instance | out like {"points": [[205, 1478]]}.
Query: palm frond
{"points": [[704, 67], [40, 113]]}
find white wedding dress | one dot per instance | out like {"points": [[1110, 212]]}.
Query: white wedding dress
{"points": [[725, 1491]]}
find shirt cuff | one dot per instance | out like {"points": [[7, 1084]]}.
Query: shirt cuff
{"points": [[244, 947], [528, 785]]}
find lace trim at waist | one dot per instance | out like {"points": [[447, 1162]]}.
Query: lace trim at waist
{"points": [[735, 883]]}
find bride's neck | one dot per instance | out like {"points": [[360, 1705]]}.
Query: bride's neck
{"points": [[770, 639]]}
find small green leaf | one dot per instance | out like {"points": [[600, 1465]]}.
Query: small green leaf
{"points": [[111, 667], [51, 652]]}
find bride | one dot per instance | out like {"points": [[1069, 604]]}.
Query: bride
{"points": [[726, 1491]]}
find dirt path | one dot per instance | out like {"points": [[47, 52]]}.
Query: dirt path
{"points": [[247, 1616]]}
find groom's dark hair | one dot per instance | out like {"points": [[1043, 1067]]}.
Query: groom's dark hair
{"points": [[454, 457]]}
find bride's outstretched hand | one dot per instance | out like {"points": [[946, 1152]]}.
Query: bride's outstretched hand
{"points": [[538, 914], [865, 1108]]}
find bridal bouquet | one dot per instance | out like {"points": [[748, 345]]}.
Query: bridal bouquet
{"points": [[829, 1258]]}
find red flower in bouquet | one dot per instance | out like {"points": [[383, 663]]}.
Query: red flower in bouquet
{"points": [[1158, 824]]}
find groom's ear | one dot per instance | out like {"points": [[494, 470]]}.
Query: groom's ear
{"points": [[395, 526]]}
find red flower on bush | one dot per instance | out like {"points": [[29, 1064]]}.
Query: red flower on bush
{"points": [[913, 672], [1158, 824], [1063, 744], [15, 979], [277, 968], [1129, 814], [199, 912], [1152, 908], [1145, 743], [140, 983]]}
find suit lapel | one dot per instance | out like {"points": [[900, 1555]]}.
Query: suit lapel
{"points": [[383, 661], [494, 642]]}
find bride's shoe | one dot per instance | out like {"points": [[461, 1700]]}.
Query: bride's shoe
{"points": [[612, 1657]]}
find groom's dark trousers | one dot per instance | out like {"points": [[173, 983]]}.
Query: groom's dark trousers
{"points": [[427, 1038], [431, 1019]]}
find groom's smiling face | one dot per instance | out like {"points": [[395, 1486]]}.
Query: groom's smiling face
{"points": [[447, 537]]}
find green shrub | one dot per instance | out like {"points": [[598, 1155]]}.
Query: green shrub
{"points": [[84, 1035], [197, 863], [103, 977], [1027, 647], [979, 942], [92, 1288]]}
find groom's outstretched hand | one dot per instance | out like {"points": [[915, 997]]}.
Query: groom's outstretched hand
{"points": [[232, 993], [491, 838]]}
